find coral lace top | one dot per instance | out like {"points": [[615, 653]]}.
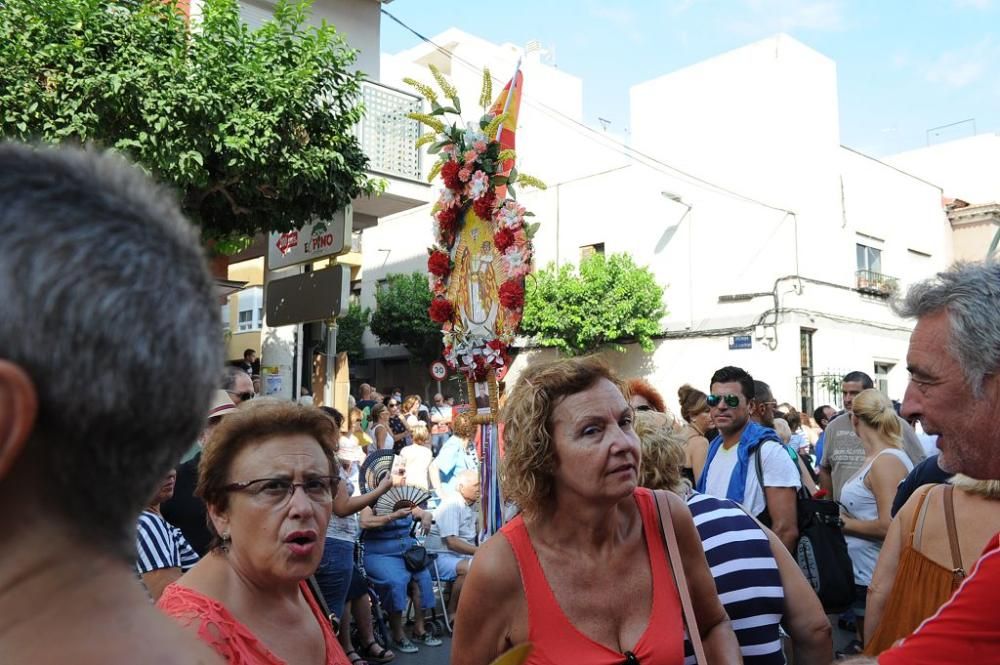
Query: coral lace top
{"points": [[228, 636], [557, 641]]}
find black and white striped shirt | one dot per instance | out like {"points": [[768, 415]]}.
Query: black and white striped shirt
{"points": [[161, 545], [746, 577]]}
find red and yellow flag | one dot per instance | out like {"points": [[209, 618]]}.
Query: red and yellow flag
{"points": [[509, 102]]}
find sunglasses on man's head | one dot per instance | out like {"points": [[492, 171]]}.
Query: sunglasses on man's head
{"points": [[732, 401]]}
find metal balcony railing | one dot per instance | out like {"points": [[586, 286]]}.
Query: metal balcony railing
{"points": [[875, 283], [387, 136]]}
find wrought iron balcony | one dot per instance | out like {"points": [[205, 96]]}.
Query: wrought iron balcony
{"points": [[876, 284], [387, 136]]}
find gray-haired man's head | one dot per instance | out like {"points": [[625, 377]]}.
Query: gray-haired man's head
{"points": [[101, 273], [954, 365]]}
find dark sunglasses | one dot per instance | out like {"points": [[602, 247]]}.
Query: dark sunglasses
{"points": [[243, 396], [732, 401], [644, 407]]}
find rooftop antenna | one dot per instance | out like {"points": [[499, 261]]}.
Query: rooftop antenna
{"points": [[605, 123]]}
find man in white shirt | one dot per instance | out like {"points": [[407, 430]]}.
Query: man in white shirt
{"points": [[456, 523], [731, 466]]}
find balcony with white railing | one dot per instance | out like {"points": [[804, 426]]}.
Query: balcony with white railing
{"points": [[389, 139], [386, 135]]}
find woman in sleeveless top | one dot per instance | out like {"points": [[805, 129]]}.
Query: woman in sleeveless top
{"points": [[582, 572], [381, 434], [697, 415], [935, 538], [867, 496], [760, 583]]}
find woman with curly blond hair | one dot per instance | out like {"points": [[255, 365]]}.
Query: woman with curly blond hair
{"points": [[582, 573], [760, 581]]}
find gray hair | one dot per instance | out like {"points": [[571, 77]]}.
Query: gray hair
{"points": [[970, 293], [229, 375], [101, 273]]}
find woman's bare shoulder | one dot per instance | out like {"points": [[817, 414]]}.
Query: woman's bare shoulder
{"points": [[496, 562]]}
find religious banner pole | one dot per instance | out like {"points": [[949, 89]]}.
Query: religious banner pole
{"points": [[482, 254]]}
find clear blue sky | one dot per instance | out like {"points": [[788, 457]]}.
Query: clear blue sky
{"points": [[904, 67]]}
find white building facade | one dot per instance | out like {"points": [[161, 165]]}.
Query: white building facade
{"points": [[777, 247]]}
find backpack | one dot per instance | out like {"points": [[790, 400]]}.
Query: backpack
{"points": [[821, 551]]}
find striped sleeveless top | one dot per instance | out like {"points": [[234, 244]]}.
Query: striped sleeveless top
{"points": [[746, 577]]}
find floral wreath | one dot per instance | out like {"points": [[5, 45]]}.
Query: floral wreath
{"points": [[478, 173]]}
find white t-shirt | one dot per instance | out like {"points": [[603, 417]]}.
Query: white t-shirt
{"points": [[417, 460], [779, 471]]}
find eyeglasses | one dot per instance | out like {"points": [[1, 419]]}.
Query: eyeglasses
{"points": [[770, 404], [644, 407], [732, 401], [276, 492], [244, 397]]}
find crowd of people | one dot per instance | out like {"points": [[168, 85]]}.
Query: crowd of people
{"points": [[636, 536]]}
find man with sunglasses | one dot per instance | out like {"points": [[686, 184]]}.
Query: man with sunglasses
{"points": [[238, 384], [730, 468]]}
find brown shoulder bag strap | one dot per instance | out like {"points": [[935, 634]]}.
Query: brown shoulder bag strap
{"points": [[949, 520], [680, 579]]}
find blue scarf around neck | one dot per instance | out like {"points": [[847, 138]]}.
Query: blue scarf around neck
{"points": [[753, 437]]}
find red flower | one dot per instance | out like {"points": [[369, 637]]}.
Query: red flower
{"points": [[447, 221], [511, 294], [484, 204], [503, 239], [449, 175], [440, 310], [438, 263]]}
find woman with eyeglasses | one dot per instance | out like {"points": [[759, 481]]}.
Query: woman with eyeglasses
{"points": [[268, 476]]}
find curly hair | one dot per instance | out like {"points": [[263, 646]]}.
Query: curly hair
{"points": [[528, 466], [253, 422], [645, 389], [662, 453], [463, 426]]}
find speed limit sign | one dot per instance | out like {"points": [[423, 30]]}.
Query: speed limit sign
{"points": [[439, 370]]}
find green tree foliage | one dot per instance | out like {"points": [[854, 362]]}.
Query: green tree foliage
{"points": [[401, 316], [253, 128], [609, 301], [350, 329]]}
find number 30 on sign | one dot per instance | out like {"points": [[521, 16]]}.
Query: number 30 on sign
{"points": [[439, 370]]}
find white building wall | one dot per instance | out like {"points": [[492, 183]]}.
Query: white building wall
{"points": [[357, 20], [968, 169]]}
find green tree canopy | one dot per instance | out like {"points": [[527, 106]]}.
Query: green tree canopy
{"points": [[401, 316], [609, 301], [255, 129], [350, 329]]}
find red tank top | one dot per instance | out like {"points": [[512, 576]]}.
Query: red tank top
{"points": [[556, 640]]}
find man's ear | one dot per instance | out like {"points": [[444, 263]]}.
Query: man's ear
{"points": [[18, 411]]}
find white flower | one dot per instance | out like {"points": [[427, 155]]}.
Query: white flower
{"points": [[448, 198], [473, 133], [516, 260], [511, 214], [478, 185]]}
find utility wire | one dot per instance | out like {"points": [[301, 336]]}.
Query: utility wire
{"points": [[596, 136]]}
